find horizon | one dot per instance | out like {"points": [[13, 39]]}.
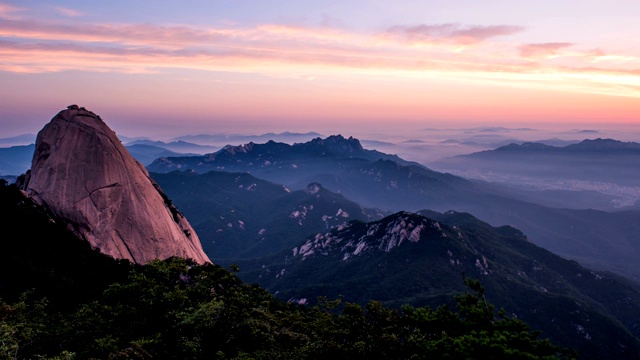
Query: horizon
{"points": [[424, 145], [225, 67]]}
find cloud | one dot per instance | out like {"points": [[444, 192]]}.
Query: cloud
{"points": [[8, 11], [121, 33], [542, 49], [36, 45], [453, 33], [67, 11]]}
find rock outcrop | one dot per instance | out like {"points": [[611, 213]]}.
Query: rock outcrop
{"points": [[84, 175]]}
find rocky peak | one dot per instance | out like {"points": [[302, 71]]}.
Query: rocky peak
{"points": [[233, 150], [340, 143], [354, 238], [313, 188], [83, 174]]}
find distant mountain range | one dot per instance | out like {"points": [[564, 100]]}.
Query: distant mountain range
{"points": [[604, 161], [409, 258], [16, 160], [306, 237], [226, 139], [604, 240], [297, 164], [85, 195], [24, 139], [550, 142], [178, 147], [551, 218], [16, 152]]}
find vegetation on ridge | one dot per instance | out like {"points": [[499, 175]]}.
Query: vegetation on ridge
{"points": [[61, 299]]}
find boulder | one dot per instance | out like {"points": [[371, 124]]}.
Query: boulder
{"points": [[84, 175]]}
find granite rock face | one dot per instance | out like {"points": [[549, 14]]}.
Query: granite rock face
{"points": [[84, 175]]}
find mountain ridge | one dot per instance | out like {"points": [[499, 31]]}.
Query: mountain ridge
{"points": [[70, 301], [271, 153], [598, 144], [238, 215], [392, 186], [407, 258], [607, 166]]}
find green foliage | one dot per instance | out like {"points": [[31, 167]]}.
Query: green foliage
{"points": [[177, 309]]}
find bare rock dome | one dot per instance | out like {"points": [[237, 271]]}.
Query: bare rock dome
{"points": [[83, 174]]}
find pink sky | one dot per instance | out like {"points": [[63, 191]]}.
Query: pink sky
{"points": [[176, 70]]}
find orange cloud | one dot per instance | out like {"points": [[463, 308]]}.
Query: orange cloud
{"points": [[278, 50], [543, 49]]}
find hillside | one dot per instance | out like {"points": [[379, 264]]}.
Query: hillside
{"points": [[237, 215], [279, 162], [598, 239], [409, 258], [61, 299]]}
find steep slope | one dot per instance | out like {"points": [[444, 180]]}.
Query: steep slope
{"points": [[60, 299], [279, 162], [84, 175], [599, 239], [39, 255], [238, 215], [16, 160], [408, 258]]}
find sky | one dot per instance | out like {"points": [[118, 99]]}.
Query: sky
{"points": [[163, 68]]}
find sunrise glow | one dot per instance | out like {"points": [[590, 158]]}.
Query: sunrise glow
{"points": [[281, 71]]}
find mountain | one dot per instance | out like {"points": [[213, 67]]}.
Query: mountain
{"points": [[604, 165], [24, 139], [84, 175], [61, 299], [225, 139], [599, 239], [178, 147], [15, 160], [408, 258], [238, 215], [389, 185], [340, 164], [146, 154], [279, 162]]}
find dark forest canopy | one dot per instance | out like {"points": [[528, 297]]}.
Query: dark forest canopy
{"points": [[60, 299]]}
